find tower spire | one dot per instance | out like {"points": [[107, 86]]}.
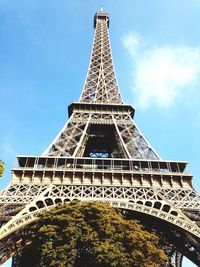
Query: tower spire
{"points": [[100, 124], [101, 83]]}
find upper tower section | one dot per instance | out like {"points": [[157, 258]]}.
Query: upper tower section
{"points": [[101, 83], [101, 15]]}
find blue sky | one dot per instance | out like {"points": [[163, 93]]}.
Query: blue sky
{"points": [[44, 55]]}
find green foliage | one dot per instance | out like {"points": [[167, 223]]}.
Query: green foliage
{"points": [[82, 234], [2, 168]]}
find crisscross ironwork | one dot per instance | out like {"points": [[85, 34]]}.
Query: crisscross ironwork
{"points": [[100, 154]]}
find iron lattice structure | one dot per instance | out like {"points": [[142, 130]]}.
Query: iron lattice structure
{"points": [[100, 154]]}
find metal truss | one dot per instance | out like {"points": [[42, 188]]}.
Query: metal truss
{"points": [[101, 88], [72, 139], [175, 258], [143, 200], [149, 199], [100, 154], [101, 84], [21, 193]]}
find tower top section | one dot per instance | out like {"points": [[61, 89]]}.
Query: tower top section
{"points": [[101, 15], [101, 84]]}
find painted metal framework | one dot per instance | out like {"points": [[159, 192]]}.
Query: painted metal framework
{"points": [[100, 154]]}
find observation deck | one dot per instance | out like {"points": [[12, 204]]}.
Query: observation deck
{"points": [[100, 171]]}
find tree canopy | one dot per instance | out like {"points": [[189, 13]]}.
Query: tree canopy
{"points": [[1, 168], [90, 234]]}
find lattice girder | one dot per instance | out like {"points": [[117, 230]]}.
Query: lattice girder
{"points": [[101, 83], [100, 154], [68, 139], [130, 142], [144, 200]]}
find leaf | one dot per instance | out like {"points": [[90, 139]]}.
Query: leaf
{"points": [[91, 234]]}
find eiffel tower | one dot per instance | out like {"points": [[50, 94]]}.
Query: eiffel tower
{"points": [[100, 154]]}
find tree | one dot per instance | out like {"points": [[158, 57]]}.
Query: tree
{"points": [[90, 234], [2, 168]]}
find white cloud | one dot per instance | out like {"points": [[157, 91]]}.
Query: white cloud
{"points": [[162, 75], [132, 43]]}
